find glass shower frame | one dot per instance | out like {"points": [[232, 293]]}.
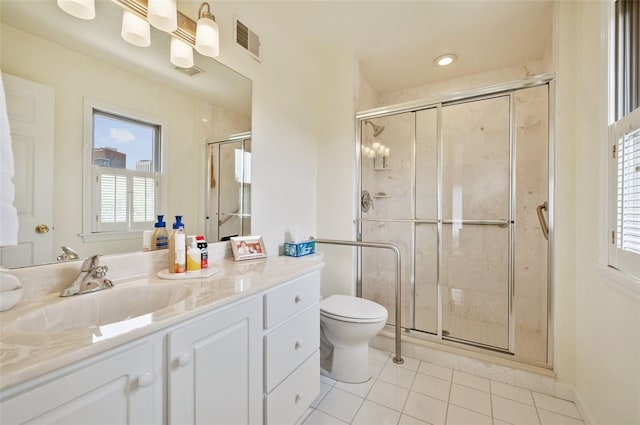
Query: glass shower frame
{"points": [[507, 89]]}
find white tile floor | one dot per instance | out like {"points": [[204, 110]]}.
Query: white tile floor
{"points": [[419, 392]]}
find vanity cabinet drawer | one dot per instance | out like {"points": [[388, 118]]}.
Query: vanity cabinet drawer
{"points": [[288, 345], [290, 298], [293, 396]]}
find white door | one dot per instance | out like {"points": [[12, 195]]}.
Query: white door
{"points": [[31, 117]]}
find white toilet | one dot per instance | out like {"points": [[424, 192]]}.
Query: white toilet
{"points": [[347, 324]]}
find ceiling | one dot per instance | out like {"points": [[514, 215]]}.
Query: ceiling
{"points": [[396, 41]]}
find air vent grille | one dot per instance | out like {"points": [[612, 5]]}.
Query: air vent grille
{"points": [[247, 39], [194, 70]]}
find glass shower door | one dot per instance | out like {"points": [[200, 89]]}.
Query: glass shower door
{"points": [[476, 186]]}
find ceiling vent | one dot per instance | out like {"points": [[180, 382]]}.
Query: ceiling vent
{"points": [[247, 39], [194, 70]]}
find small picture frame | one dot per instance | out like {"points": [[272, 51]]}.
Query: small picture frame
{"points": [[247, 247]]}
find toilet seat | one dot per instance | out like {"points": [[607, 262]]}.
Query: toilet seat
{"points": [[352, 309]]}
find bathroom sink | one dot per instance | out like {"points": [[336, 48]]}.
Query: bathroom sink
{"points": [[98, 310]]}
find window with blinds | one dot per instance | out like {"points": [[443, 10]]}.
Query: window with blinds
{"points": [[624, 252], [126, 169]]}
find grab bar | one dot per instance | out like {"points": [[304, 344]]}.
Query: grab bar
{"points": [[541, 219], [499, 223], [398, 355]]}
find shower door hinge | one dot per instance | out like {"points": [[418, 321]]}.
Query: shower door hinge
{"points": [[614, 151]]}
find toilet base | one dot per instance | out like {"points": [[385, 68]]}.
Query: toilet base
{"points": [[348, 365]]}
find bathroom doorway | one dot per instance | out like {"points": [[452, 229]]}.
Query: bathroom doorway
{"points": [[461, 185]]}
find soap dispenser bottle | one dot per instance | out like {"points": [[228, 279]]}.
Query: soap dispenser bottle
{"points": [[181, 251], [160, 237], [177, 246]]}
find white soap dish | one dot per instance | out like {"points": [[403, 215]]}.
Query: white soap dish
{"points": [[10, 291]]}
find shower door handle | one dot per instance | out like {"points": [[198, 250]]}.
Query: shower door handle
{"points": [[542, 220]]}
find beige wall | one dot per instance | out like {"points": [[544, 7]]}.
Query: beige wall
{"points": [[607, 319], [284, 124]]}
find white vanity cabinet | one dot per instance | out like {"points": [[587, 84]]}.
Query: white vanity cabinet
{"points": [[291, 349], [215, 367], [120, 387], [250, 361]]}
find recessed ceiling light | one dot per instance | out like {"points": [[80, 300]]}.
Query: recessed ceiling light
{"points": [[445, 60]]}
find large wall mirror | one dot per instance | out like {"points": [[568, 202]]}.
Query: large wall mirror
{"points": [[66, 64]]}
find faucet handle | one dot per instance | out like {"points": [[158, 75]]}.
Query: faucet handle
{"points": [[100, 271], [90, 263]]}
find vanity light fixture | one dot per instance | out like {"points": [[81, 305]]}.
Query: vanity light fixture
{"points": [[163, 14], [135, 30], [445, 60], [83, 9], [181, 53], [207, 33]]}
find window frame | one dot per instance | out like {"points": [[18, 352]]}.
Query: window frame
{"points": [[626, 264], [93, 231]]}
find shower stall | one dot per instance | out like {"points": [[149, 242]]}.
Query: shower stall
{"points": [[461, 184], [228, 188]]}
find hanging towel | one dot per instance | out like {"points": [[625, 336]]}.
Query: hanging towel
{"points": [[8, 212]]}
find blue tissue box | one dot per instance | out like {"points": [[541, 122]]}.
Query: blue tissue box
{"points": [[299, 249]]}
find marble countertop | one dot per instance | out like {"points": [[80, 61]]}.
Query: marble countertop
{"points": [[25, 355]]}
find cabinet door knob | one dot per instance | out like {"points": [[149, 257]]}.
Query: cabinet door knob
{"points": [[298, 299], [145, 379], [298, 344], [299, 396], [184, 359]]}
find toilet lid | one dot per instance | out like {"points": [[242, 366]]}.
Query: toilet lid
{"points": [[352, 308]]}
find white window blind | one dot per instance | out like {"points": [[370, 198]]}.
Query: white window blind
{"points": [[625, 244], [628, 194], [125, 199], [144, 199], [113, 198]]}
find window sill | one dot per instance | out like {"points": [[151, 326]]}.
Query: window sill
{"points": [[110, 236], [620, 281]]}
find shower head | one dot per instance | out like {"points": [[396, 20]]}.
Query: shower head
{"points": [[377, 129]]}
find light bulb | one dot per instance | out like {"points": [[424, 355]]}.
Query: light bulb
{"points": [[445, 60], [181, 53], [163, 14], [135, 30], [207, 37], [83, 9]]}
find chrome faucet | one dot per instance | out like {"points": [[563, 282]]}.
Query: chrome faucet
{"points": [[90, 279], [68, 254]]}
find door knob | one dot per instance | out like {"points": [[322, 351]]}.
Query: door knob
{"points": [[42, 228], [184, 359], [145, 379]]}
